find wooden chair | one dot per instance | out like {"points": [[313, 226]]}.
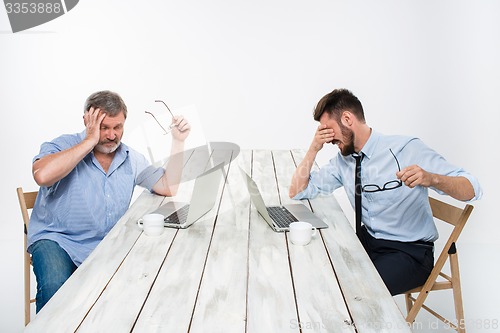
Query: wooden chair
{"points": [[26, 202], [457, 217]]}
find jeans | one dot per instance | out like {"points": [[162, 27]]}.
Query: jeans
{"points": [[52, 267]]}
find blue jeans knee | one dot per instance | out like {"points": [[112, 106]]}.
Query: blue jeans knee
{"points": [[52, 267]]}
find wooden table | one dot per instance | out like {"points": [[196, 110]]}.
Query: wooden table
{"points": [[229, 272]]}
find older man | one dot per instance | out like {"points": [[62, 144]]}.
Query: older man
{"points": [[86, 184]]}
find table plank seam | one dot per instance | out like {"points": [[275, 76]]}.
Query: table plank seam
{"points": [[248, 249], [297, 312], [338, 281], [226, 174], [106, 285], [293, 281], [154, 280]]}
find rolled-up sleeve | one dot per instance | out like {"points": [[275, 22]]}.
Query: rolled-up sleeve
{"points": [[149, 177], [478, 191], [433, 162], [309, 192], [58, 144], [324, 181]]}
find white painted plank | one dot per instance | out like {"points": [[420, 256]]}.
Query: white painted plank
{"points": [[171, 302], [117, 308], [271, 302], [133, 281], [175, 304], [69, 306], [371, 306], [320, 302], [221, 305]]}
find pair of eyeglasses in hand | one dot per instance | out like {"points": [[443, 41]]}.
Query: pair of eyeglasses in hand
{"points": [[170, 127], [391, 185]]}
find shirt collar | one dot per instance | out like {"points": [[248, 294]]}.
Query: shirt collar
{"points": [[369, 148]]}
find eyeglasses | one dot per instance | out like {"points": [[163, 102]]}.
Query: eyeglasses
{"points": [[160, 101], [170, 127], [393, 184]]}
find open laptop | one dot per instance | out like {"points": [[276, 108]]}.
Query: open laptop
{"points": [[181, 215], [280, 217]]}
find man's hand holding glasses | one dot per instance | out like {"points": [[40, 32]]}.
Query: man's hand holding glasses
{"points": [[179, 126]]}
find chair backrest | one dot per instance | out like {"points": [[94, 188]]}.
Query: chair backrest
{"points": [[26, 202], [449, 213], [457, 217], [452, 215]]}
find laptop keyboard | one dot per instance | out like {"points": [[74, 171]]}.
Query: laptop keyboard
{"points": [[281, 216], [179, 216]]}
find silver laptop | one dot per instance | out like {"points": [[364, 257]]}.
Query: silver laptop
{"points": [[181, 215], [280, 217]]}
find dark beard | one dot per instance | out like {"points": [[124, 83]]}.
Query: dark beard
{"points": [[348, 136]]}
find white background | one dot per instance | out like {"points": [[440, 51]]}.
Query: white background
{"points": [[254, 70]]}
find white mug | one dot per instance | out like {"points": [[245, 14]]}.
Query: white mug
{"points": [[152, 224], [301, 232]]}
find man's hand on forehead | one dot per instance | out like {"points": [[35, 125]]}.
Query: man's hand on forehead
{"points": [[93, 116]]}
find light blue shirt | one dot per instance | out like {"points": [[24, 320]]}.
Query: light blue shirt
{"points": [[80, 209], [403, 213]]}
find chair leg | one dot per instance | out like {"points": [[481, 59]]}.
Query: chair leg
{"points": [[457, 293], [27, 312], [409, 303], [27, 290]]}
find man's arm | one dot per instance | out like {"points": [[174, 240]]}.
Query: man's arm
{"points": [[458, 187], [168, 184], [300, 178], [51, 168]]}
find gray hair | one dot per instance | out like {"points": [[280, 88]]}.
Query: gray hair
{"points": [[109, 102]]}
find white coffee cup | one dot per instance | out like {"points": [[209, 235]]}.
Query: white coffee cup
{"points": [[301, 233], [152, 224]]}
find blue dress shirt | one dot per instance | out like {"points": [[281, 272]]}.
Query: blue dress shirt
{"points": [[403, 213], [80, 209]]}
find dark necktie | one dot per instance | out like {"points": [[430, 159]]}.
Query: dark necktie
{"points": [[357, 192]]}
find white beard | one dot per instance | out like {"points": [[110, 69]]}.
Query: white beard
{"points": [[107, 150]]}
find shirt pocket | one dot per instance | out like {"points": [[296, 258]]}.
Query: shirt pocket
{"points": [[386, 198]]}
